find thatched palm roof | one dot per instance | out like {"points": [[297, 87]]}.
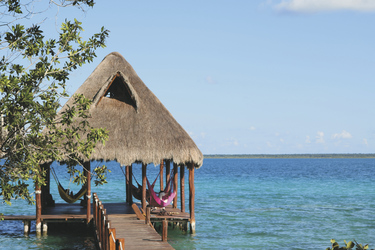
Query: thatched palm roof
{"points": [[140, 128]]}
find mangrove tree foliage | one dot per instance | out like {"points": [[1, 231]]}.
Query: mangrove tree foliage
{"points": [[34, 69]]}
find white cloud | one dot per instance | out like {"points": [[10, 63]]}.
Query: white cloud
{"points": [[343, 135], [365, 141], [319, 138], [308, 139], [325, 5], [252, 128], [231, 142]]}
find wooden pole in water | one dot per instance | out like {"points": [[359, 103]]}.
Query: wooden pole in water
{"points": [[26, 227], [165, 230], [191, 198], [182, 188], [86, 166], [175, 180], [144, 185], [161, 175]]}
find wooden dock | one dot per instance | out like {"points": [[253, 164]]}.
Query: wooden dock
{"points": [[137, 234], [129, 226]]}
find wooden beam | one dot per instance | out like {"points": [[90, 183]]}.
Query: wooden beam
{"points": [[127, 188], [87, 168], [130, 184], [167, 171], [175, 180], [138, 212], [144, 185], [182, 188], [161, 175], [191, 198]]}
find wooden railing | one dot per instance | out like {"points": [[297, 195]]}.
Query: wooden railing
{"points": [[105, 235]]}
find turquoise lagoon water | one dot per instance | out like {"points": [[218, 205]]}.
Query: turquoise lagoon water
{"points": [[245, 204]]}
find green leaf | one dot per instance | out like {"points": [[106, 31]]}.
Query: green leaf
{"points": [[350, 244]]}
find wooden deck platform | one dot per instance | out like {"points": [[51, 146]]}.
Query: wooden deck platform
{"points": [[171, 214], [136, 233]]}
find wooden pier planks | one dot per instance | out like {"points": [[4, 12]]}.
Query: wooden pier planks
{"points": [[136, 233]]}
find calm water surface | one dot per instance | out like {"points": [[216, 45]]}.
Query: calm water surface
{"points": [[245, 204]]}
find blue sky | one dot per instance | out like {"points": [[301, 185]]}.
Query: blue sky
{"points": [[251, 77]]}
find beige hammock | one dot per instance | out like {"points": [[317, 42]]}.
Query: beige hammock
{"points": [[66, 194]]}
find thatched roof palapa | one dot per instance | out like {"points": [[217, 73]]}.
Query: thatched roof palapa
{"points": [[140, 128]]}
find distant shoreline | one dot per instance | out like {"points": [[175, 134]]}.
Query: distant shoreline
{"points": [[287, 156]]}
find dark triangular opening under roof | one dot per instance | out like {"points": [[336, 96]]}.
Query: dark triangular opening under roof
{"points": [[119, 90]]}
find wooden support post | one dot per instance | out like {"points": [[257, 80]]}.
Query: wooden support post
{"points": [[38, 203], [191, 198], [148, 216], [100, 223], [107, 234], [175, 180], [130, 185], [94, 204], [144, 185], [161, 175], [26, 227], [86, 167], [182, 188], [127, 187], [112, 239], [120, 244], [165, 230], [45, 228], [104, 211], [167, 171], [97, 223]]}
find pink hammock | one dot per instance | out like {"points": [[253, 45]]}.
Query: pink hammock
{"points": [[170, 193]]}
